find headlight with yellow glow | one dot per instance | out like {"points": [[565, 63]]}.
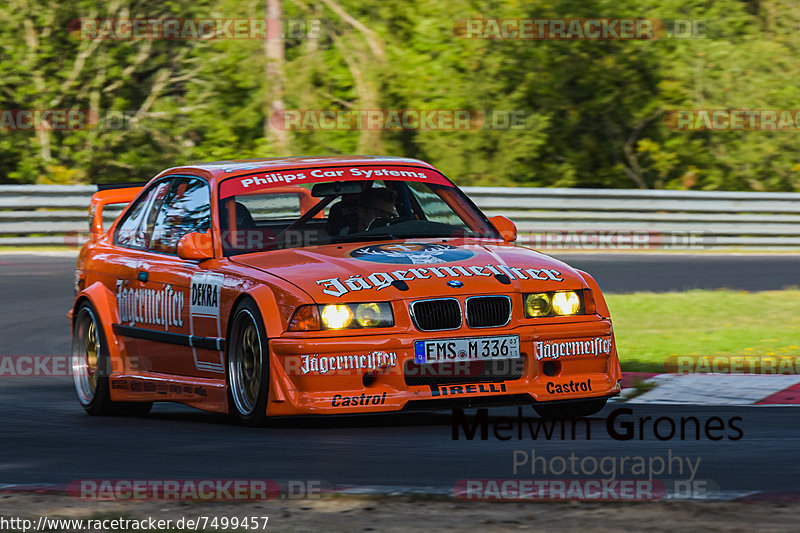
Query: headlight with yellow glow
{"points": [[342, 316], [539, 304], [561, 303], [336, 316], [371, 315]]}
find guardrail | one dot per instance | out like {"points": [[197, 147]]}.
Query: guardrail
{"points": [[35, 215]]}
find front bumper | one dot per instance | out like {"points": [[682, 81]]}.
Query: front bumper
{"points": [[377, 373]]}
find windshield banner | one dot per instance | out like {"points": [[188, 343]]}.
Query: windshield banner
{"points": [[281, 178]]}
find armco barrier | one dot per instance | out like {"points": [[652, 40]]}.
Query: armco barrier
{"points": [[619, 218], [34, 215]]}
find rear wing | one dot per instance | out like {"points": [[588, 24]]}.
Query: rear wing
{"points": [[113, 193]]}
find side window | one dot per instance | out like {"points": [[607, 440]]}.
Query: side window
{"points": [[186, 209], [132, 231]]}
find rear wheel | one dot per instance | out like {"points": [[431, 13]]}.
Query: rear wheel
{"points": [[248, 366], [567, 410], [91, 367]]}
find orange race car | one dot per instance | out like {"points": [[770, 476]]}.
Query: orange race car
{"points": [[327, 285]]}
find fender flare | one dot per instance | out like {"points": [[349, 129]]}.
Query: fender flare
{"points": [[267, 306], [104, 303], [599, 299], [264, 299], [602, 309]]}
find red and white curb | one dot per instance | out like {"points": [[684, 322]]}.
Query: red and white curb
{"points": [[714, 389]]}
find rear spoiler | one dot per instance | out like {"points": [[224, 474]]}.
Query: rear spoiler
{"points": [[125, 185], [111, 193]]}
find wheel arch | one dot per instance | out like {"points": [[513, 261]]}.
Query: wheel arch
{"points": [[103, 301], [597, 295], [264, 299]]}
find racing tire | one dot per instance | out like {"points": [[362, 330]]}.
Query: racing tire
{"points": [[91, 366], [568, 410], [248, 366]]}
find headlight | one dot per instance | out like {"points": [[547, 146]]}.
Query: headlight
{"points": [[336, 316], [566, 303], [537, 304], [374, 315], [342, 316], [562, 303]]}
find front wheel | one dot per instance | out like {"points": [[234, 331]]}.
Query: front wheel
{"points": [[248, 366], [91, 367], [567, 410]]}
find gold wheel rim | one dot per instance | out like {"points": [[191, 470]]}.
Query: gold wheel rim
{"points": [[251, 362], [92, 349], [86, 356], [245, 363]]}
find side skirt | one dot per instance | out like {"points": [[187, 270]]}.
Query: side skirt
{"points": [[205, 394]]}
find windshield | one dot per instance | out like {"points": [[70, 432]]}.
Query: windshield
{"points": [[329, 212]]}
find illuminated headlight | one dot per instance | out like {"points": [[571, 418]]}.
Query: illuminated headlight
{"points": [[566, 303], [336, 316], [342, 316], [562, 303]]}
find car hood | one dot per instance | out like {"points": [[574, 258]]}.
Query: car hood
{"points": [[414, 268]]}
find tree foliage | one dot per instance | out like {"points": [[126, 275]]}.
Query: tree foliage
{"points": [[592, 112]]}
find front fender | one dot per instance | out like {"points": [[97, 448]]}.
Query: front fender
{"points": [[599, 300], [614, 368], [264, 298], [270, 313]]}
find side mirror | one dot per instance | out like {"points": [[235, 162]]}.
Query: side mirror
{"points": [[196, 246], [505, 227]]}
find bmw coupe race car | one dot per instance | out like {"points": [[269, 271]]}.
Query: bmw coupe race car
{"points": [[333, 285]]}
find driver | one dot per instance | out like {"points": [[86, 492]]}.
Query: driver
{"points": [[374, 204], [357, 213]]}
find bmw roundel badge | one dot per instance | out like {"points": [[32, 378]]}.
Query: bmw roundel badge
{"points": [[455, 283]]}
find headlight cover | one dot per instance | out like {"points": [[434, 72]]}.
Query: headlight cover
{"points": [[556, 303], [538, 304], [342, 316]]}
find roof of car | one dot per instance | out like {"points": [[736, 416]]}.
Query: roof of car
{"points": [[225, 169]]}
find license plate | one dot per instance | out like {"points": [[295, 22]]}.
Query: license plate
{"points": [[466, 349]]}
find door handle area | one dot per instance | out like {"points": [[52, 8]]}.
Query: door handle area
{"points": [[143, 276]]}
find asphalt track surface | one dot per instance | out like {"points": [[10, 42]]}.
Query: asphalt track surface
{"points": [[47, 438]]}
